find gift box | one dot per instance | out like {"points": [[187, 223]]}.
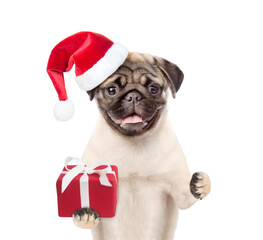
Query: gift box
{"points": [[80, 186]]}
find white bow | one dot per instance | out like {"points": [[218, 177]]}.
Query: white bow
{"points": [[81, 168]]}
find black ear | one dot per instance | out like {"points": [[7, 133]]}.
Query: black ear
{"points": [[172, 73], [91, 94]]}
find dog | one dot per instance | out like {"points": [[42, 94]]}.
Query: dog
{"points": [[134, 133]]}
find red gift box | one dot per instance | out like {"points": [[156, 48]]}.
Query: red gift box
{"points": [[81, 186]]}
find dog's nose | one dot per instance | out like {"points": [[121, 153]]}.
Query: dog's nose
{"points": [[133, 97]]}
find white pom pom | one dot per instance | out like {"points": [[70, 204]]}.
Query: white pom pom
{"points": [[64, 110]]}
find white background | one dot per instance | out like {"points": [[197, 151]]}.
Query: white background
{"points": [[217, 114]]}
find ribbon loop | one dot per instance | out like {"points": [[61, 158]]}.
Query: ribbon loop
{"points": [[69, 159]]}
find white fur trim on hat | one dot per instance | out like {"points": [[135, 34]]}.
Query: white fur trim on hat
{"points": [[64, 110], [100, 71]]}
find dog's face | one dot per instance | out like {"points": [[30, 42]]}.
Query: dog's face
{"points": [[132, 99]]}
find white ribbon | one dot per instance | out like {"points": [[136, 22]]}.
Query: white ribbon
{"points": [[84, 179]]}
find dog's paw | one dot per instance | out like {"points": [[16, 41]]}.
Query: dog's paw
{"points": [[86, 218], [200, 185]]}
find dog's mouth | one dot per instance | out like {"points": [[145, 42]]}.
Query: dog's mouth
{"points": [[133, 124], [131, 119]]}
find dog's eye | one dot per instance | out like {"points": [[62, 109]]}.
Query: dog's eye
{"points": [[154, 89], [112, 90]]}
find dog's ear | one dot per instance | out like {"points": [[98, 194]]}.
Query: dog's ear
{"points": [[172, 73], [91, 94]]}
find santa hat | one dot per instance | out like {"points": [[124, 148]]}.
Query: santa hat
{"points": [[95, 57]]}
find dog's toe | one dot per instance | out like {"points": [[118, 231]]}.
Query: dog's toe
{"points": [[200, 185], [86, 218]]}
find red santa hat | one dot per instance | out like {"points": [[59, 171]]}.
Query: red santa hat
{"points": [[95, 57]]}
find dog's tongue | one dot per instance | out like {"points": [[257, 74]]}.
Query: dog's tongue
{"points": [[132, 119]]}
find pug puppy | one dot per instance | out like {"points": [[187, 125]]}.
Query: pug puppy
{"points": [[134, 133]]}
